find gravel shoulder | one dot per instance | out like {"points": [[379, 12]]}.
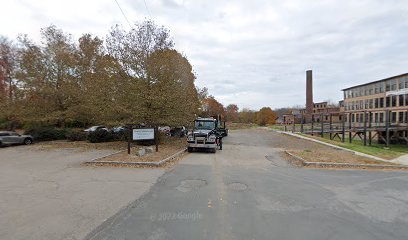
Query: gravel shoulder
{"points": [[315, 152]]}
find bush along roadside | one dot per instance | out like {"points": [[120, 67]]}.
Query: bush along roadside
{"points": [[46, 133], [100, 136], [76, 135], [52, 133]]}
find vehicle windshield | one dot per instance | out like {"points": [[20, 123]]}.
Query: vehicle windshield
{"points": [[209, 125]]}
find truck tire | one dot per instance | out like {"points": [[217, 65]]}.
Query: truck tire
{"points": [[189, 149], [213, 150]]}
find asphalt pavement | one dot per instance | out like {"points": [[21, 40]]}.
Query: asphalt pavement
{"points": [[247, 191]]}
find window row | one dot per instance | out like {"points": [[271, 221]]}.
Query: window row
{"points": [[379, 87], [390, 101], [379, 117]]}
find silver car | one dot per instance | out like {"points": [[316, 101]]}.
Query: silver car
{"points": [[9, 138]]}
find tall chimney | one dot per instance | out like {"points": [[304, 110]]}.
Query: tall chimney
{"points": [[309, 95]]}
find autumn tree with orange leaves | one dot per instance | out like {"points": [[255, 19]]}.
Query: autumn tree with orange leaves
{"points": [[211, 107], [266, 116], [134, 76]]}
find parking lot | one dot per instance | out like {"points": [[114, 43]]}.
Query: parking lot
{"points": [[47, 194]]}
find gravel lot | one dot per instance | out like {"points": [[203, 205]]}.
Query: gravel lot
{"points": [[45, 192]]}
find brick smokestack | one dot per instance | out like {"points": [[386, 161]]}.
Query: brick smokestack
{"points": [[309, 95]]}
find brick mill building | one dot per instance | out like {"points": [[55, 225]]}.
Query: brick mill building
{"points": [[378, 97]]}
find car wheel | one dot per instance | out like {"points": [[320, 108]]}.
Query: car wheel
{"points": [[28, 141]]}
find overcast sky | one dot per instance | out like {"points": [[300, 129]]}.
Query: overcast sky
{"points": [[252, 53]]}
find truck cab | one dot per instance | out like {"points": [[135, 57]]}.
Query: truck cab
{"points": [[204, 135]]}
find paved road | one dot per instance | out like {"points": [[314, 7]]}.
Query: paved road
{"points": [[248, 192]]}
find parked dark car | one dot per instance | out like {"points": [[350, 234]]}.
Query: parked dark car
{"points": [[95, 128], [119, 129], [11, 138], [178, 132]]}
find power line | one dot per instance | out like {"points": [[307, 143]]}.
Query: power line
{"points": [[127, 20], [147, 8]]}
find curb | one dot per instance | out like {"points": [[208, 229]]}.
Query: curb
{"points": [[151, 164], [304, 163], [334, 146], [108, 155]]}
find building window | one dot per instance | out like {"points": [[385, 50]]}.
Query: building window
{"points": [[406, 99], [401, 100], [401, 83], [394, 101], [393, 85], [381, 102], [388, 102], [393, 117], [400, 117], [376, 103], [352, 118], [376, 117]]}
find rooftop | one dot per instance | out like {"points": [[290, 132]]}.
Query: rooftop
{"points": [[320, 102], [365, 84]]}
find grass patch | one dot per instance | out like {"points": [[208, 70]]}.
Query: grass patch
{"points": [[235, 126], [378, 150], [281, 127]]}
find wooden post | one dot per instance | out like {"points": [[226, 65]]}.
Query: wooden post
{"points": [[156, 138], [130, 128], [294, 126], [322, 125], [343, 121], [365, 128], [285, 128], [406, 122], [370, 119], [312, 125], [387, 128], [350, 134], [301, 124], [330, 124]]}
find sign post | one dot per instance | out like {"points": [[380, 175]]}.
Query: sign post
{"points": [[156, 138], [143, 134]]}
